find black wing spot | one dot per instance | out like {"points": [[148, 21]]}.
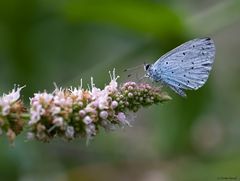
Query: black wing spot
{"points": [[172, 72], [203, 53], [179, 85], [193, 63], [208, 39], [192, 67], [193, 46], [206, 64], [184, 75], [181, 60], [166, 62], [184, 53], [203, 80]]}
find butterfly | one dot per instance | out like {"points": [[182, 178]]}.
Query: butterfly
{"points": [[186, 67]]}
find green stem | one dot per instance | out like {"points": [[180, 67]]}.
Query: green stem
{"points": [[25, 116]]}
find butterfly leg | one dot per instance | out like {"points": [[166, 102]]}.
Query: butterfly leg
{"points": [[178, 91]]}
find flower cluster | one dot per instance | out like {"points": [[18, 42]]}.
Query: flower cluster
{"points": [[76, 112], [11, 114]]}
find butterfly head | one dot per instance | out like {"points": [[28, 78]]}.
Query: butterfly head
{"points": [[147, 68]]}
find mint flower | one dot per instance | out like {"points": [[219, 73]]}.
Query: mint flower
{"points": [[11, 113], [75, 112], [79, 113]]}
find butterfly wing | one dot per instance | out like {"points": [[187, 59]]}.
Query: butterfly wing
{"points": [[187, 66]]}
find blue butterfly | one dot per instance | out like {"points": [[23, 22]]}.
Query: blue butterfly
{"points": [[186, 67]]}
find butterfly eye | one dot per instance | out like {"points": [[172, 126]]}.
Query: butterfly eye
{"points": [[147, 66]]}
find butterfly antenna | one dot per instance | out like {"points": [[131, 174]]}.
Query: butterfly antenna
{"points": [[133, 68]]}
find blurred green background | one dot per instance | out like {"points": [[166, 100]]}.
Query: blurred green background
{"points": [[193, 139]]}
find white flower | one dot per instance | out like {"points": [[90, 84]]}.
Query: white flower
{"points": [[34, 118], [103, 101], [90, 130], [89, 109], [37, 106], [35, 113], [113, 85], [122, 118], [6, 109], [69, 133], [96, 93], [58, 121], [8, 99], [55, 110], [101, 98], [103, 114], [87, 120], [114, 104], [13, 96], [82, 113], [77, 93], [42, 98], [61, 99]]}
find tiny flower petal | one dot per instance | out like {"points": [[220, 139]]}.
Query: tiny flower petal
{"points": [[58, 121], [121, 117], [70, 132], [114, 104], [87, 120], [82, 113], [55, 110], [103, 114]]}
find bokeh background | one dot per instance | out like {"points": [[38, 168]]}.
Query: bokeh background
{"points": [[193, 139]]}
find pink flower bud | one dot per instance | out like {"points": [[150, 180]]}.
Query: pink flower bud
{"points": [[87, 120], [104, 114], [58, 121], [121, 117], [82, 113], [130, 95], [114, 104]]}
